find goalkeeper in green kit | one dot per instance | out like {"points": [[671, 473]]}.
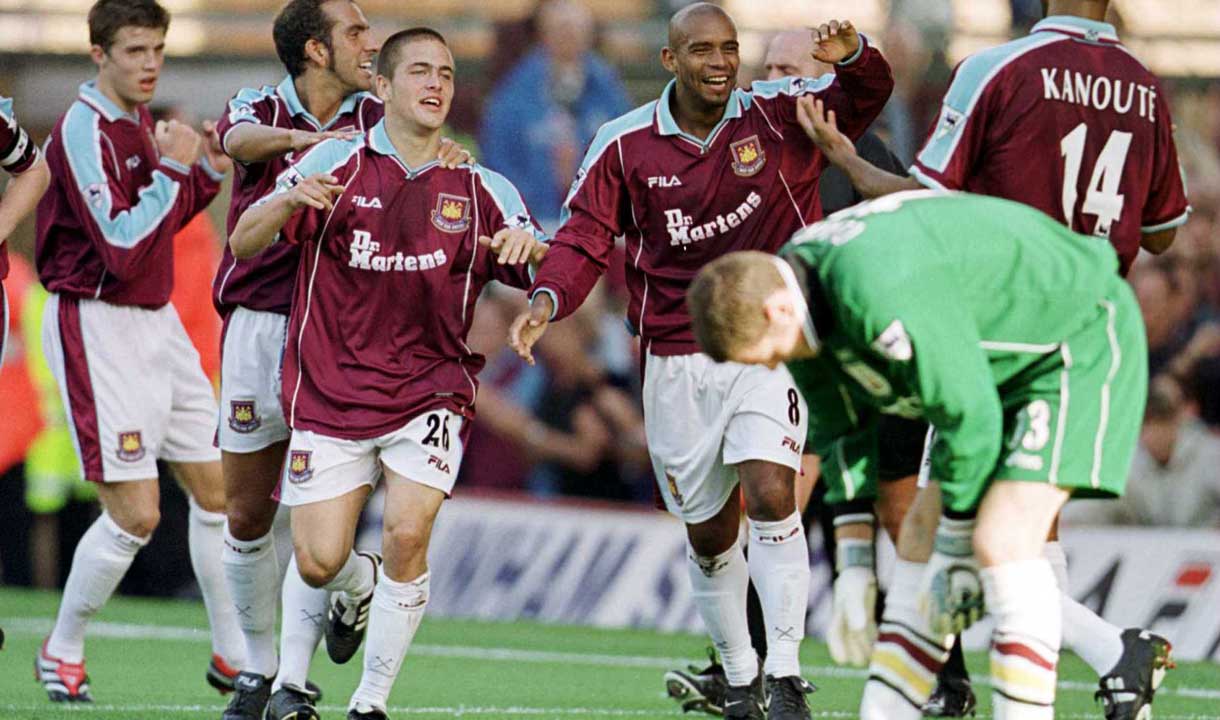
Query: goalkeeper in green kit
{"points": [[1012, 336]]}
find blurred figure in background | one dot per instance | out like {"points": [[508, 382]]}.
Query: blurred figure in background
{"points": [[1173, 481], [538, 121]]}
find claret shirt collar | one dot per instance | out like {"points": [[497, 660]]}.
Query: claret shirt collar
{"points": [[287, 90], [379, 142], [667, 125], [106, 107], [1078, 27]]}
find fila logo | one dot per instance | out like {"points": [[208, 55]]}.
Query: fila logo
{"points": [[133, 162], [664, 182], [363, 202], [439, 463]]}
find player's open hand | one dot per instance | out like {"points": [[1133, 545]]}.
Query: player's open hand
{"points": [[853, 631], [303, 139], [529, 326], [819, 124], [835, 41], [514, 246], [177, 141], [213, 150], [453, 154], [316, 191]]}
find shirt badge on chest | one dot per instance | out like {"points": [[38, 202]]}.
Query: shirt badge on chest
{"points": [[748, 156], [452, 213]]}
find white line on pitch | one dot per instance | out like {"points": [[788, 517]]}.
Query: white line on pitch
{"points": [[130, 631]]}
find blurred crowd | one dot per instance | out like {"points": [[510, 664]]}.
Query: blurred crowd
{"points": [[572, 425]]}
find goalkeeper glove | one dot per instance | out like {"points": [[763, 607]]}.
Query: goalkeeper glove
{"points": [[951, 598], [853, 629]]}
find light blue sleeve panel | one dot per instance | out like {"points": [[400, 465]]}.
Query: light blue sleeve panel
{"points": [[606, 135], [118, 224], [971, 80], [325, 157], [509, 202]]}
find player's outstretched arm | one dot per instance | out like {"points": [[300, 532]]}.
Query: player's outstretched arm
{"points": [[259, 225], [249, 142], [868, 179], [22, 196]]}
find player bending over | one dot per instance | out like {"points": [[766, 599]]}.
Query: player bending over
{"points": [[1024, 349], [378, 379]]}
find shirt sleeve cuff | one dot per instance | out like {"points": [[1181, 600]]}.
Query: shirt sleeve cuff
{"points": [[925, 179], [554, 300], [211, 171], [1176, 222], [177, 171], [856, 55]]}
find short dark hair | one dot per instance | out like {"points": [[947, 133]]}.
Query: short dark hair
{"points": [[299, 22], [107, 17], [387, 59]]}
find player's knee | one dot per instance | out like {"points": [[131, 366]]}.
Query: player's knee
{"points": [[246, 523], [137, 521], [317, 569], [992, 546], [769, 490], [406, 538], [890, 515]]}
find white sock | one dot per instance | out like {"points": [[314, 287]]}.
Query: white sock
{"points": [[718, 586], [253, 574], [1023, 598], [1085, 633], [101, 560], [398, 608], [303, 625], [779, 567], [355, 578], [907, 656], [205, 538]]}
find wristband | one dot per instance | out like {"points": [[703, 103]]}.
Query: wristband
{"points": [[955, 537], [853, 552]]}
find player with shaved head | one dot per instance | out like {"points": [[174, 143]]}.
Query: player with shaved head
{"points": [[706, 169]]}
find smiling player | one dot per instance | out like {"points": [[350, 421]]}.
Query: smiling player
{"points": [[378, 379]]}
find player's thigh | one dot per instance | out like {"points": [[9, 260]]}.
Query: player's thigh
{"points": [[109, 364], [134, 505], [250, 482], [1014, 519], [918, 532], [324, 532], [410, 511], [203, 481], [685, 417], [252, 347], [900, 453]]}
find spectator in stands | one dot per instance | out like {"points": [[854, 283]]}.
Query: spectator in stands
{"points": [[1167, 304], [1174, 480], [538, 121]]}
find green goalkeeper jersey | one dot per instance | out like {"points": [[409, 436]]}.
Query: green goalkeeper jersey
{"points": [[934, 305]]}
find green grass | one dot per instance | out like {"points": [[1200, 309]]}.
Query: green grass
{"points": [[147, 658]]}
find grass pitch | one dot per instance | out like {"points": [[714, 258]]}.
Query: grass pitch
{"points": [[146, 660]]}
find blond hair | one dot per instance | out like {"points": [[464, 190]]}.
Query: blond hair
{"points": [[726, 301]]}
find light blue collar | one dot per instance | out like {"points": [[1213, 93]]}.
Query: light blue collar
{"points": [[667, 125], [1092, 30], [287, 90], [104, 105], [379, 142]]}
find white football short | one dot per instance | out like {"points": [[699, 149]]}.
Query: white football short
{"points": [[427, 450], [702, 417], [132, 387], [251, 358]]}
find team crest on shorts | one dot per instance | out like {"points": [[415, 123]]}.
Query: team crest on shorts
{"points": [[452, 213], [299, 469], [748, 156], [673, 489], [242, 417], [131, 446]]}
